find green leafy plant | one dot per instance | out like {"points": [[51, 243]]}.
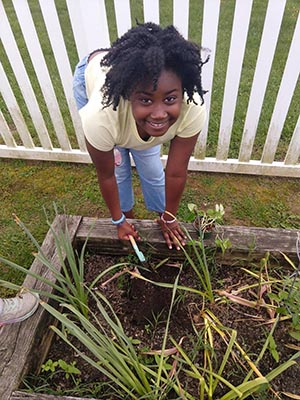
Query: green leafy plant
{"points": [[287, 299], [223, 244], [205, 219], [196, 256], [286, 295], [69, 369], [46, 384], [49, 366], [154, 322]]}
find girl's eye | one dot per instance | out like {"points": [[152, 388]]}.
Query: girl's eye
{"points": [[170, 99], [145, 101]]}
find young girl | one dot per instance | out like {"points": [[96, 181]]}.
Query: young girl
{"points": [[144, 91]]}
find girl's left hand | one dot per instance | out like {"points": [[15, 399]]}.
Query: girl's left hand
{"points": [[172, 233]]}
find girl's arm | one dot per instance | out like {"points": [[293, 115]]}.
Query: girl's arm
{"points": [[105, 167], [175, 174]]}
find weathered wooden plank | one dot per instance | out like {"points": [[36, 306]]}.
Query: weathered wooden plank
{"points": [[23, 346], [247, 242], [39, 396], [102, 236], [252, 243]]}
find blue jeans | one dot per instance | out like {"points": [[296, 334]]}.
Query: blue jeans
{"points": [[147, 162]]}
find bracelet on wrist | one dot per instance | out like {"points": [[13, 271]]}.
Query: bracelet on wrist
{"points": [[165, 221], [120, 221]]}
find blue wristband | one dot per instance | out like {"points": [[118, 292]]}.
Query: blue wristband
{"points": [[120, 221]]}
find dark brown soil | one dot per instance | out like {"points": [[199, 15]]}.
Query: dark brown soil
{"points": [[143, 308]]}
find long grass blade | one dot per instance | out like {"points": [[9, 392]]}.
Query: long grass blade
{"points": [[104, 350], [166, 331], [246, 389]]}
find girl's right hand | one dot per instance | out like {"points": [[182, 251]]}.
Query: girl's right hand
{"points": [[127, 229]]}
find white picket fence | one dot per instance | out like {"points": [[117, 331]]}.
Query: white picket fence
{"points": [[40, 122]]}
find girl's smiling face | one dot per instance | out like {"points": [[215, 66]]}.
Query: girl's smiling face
{"points": [[155, 111]]}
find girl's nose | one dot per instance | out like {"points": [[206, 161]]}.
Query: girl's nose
{"points": [[158, 112]]}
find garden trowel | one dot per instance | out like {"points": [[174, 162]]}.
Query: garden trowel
{"points": [[136, 249]]}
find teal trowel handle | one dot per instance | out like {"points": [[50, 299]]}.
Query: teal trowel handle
{"points": [[136, 249]]}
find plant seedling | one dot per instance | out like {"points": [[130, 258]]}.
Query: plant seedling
{"points": [[205, 220]]}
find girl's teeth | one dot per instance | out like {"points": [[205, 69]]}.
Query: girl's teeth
{"points": [[156, 124]]}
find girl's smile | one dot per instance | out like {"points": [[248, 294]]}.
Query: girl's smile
{"points": [[155, 111]]}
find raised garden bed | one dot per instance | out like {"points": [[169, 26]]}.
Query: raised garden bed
{"points": [[24, 346]]}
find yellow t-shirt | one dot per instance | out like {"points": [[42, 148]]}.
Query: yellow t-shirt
{"points": [[106, 128]]}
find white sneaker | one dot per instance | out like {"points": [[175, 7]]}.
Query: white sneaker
{"points": [[18, 308]]}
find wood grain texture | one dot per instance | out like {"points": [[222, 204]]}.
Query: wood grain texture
{"points": [[247, 242], [17, 395]]}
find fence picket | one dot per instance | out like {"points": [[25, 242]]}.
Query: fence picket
{"points": [[63, 64], [123, 16], [79, 34], [24, 83], [89, 25], [209, 41], [151, 11], [261, 76], [181, 16], [6, 134], [95, 24], [15, 112], [284, 97], [236, 55], [293, 153], [40, 67]]}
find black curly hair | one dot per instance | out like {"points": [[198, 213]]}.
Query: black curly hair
{"points": [[142, 53]]}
